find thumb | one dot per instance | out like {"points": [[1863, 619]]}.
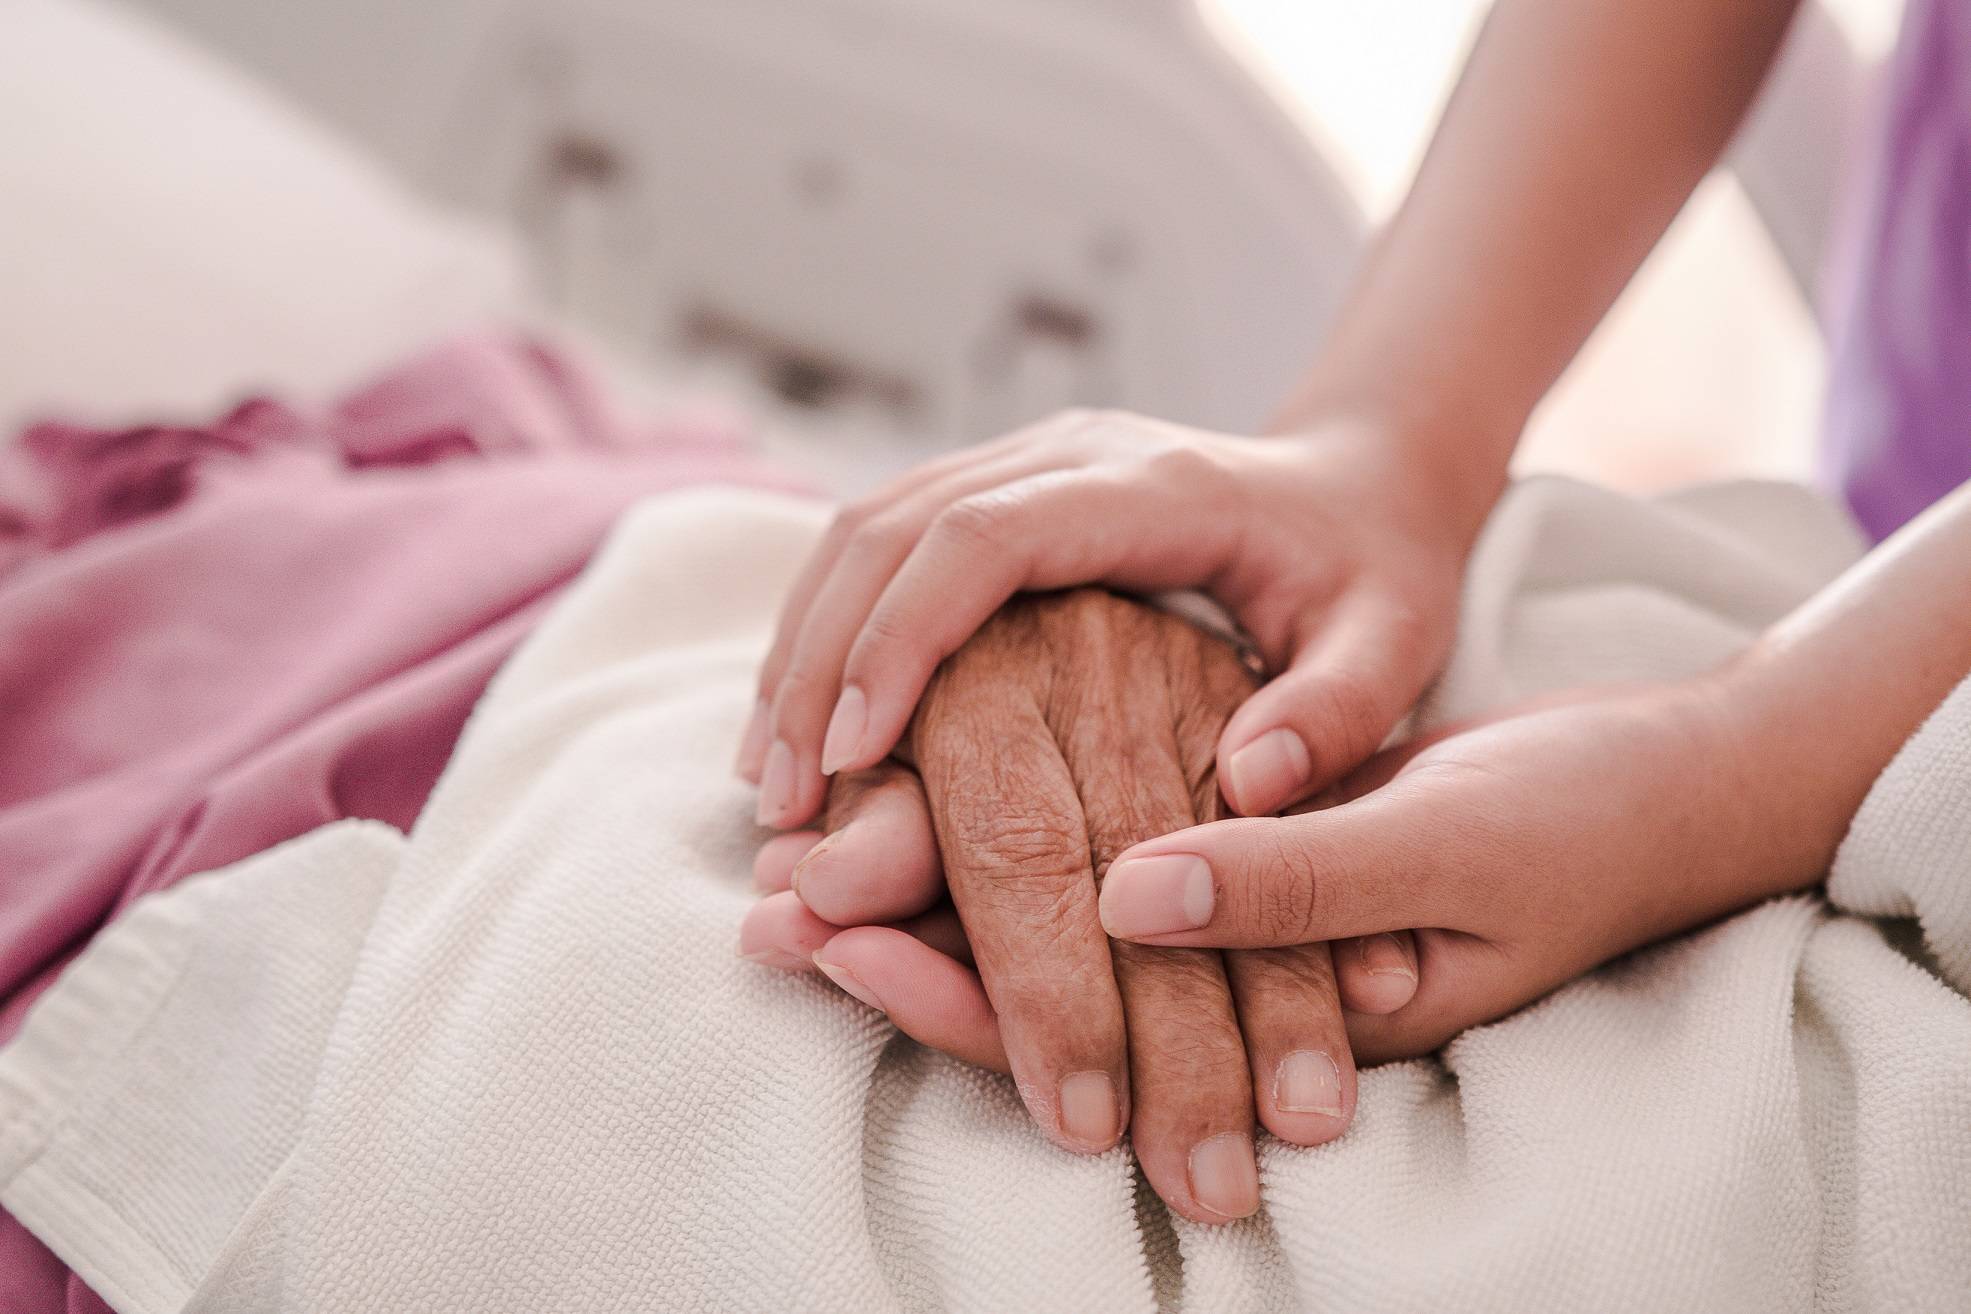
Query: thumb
{"points": [[1385, 862], [1358, 669]]}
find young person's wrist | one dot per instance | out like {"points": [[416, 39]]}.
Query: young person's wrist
{"points": [[1451, 460], [1786, 765]]}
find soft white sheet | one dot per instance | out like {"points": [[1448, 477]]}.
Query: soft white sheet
{"points": [[511, 1063]]}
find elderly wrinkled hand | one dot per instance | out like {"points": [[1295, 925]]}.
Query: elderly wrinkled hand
{"points": [[1071, 727], [1339, 549]]}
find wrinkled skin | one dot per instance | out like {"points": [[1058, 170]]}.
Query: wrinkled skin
{"points": [[1069, 728], [1339, 549]]}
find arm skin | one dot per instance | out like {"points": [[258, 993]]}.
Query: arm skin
{"points": [[1837, 687], [1577, 131], [1544, 842]]}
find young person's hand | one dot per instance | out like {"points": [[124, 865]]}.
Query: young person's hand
{"points": [[1338, 549], [1543, 842]]}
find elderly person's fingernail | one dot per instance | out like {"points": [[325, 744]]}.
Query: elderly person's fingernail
{"points": [[752, 744], [779, 860], [850, 982], [845, 729], [1268, 773], [1224, 1178], [1308, 1082], [1156, 895], [1090, 1113], [776, 783], [815, 860], [1383, 956], [776, 959]]}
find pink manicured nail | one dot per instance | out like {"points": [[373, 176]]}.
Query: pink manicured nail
{"points": [[1224, 1178], [752, 744], [776, 784], [1089, 1112], [850, 982], [1308, 1082], [1155, 896], [1383, 956], [1268, 773], [845, 729]]}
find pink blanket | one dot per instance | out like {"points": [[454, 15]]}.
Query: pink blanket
{"points": [[213, 639]]}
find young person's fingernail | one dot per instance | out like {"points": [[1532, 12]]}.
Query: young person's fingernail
{"points": [[1090, 1113], [1157, 895], [1383, 956], [1268, 773], [845, 729], [1224, 1178], [753, 742], [776, 784], [851, 983], [1308, 1082]]}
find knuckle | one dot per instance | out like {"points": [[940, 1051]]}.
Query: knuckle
{"points": [[801, 690], [1410, 637], [1188, 465], [850, 517], [1347, 707], [977, 523], [1039, 846], [886, 633], [1288, 890], [880, 538], [1193, 1042]]}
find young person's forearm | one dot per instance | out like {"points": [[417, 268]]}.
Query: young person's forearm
{"points": [[1576, 132], [1830, 693]]}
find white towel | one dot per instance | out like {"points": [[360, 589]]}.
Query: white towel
{"points": [[511, 1063]]}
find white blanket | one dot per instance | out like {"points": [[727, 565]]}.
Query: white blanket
{"points": [[511, 1063]]}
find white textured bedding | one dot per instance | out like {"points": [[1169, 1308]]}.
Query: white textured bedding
{"points": [[510, 1062]]}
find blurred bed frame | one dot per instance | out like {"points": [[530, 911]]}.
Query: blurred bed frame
{"points": [[938, 218], [941, 217]]}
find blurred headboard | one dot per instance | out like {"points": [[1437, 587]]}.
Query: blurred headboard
{"points": [[945, 215]]}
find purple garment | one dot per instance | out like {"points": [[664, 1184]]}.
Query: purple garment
{"points": [[214, 638], [1898, 431]]}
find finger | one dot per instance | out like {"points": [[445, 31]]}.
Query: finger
{"points": [[1288, 1000], [1191, 1088], [779, 931], [1376, 973], [1356, 672], [879, 861], [1303, 1074], [1463, 981], [809, 677], [751, 757], [1015, 849], [1394, 859], [800, 595], [1050, 530], [773, 865], [931, 997]]}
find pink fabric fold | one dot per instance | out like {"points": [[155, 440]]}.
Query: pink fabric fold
{"points": [[214, 638]]}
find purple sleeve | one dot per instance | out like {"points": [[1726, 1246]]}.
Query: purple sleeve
{"points": [[1898, 433]]}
